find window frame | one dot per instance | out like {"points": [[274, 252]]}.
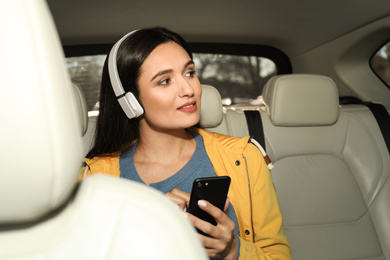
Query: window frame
{"points": [[281, 60]]}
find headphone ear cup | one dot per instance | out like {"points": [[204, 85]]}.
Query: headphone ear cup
{"points": [[130, 105]]}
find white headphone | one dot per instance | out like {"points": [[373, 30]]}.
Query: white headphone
{"points": [[127, 100]]}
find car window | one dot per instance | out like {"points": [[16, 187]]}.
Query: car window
{"points": [[380, 63], [86, 72], [239, 79]]}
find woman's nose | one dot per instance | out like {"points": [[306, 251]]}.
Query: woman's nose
{"points": [[186, 88]]}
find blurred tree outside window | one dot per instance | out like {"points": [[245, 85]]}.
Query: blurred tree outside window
{"points": [[380, 63], [86, 73], [239, 79]]}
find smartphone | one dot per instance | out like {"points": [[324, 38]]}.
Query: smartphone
{"points": [[212, 189]]}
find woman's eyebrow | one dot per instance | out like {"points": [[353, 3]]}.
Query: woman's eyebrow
{"points": [[191, 62], [170, 70], [161, 73]]}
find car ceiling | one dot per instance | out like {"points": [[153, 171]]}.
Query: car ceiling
{"points": [[294, 27]]}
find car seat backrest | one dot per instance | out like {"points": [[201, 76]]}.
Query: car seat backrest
{"points": [[41, 145], [331, 168], [45, 213]]}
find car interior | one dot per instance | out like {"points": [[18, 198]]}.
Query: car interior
{"points": [[321, 115]]}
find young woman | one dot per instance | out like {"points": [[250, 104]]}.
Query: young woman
{"points": [[152, 136]]}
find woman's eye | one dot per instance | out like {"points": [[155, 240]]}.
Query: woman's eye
{"points": [[164, 82], [190, 73]]}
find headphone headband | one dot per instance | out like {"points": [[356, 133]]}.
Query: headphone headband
{"points": [[113, 69], [127, 101]]}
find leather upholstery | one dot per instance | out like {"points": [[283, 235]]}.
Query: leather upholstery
{"points": [[45, 213], [211, 107], [82, 108], [331, 168], [287, 107], [38, 112], [329, 180]]}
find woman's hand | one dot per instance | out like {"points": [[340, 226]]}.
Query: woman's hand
{"points": [[221, 243], [179, 197]]}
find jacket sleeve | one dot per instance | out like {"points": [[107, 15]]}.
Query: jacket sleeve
{"points": [[269, 239]]}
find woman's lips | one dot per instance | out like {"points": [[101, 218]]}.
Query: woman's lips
{"points": [[188, 107]]}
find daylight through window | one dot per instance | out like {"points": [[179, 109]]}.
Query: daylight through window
{"points": [[239, 79]]}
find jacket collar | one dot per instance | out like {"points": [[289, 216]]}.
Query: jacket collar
{"points": [[234, 144]]}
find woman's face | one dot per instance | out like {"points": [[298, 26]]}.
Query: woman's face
{"points": [[170, 92]]}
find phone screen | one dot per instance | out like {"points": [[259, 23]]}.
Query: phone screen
{"points": [[212, 189]]}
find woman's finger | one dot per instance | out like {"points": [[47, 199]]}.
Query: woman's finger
{"points": [[220, 238], [182, 194], [227, 202], [214, 211], [179, 197]]}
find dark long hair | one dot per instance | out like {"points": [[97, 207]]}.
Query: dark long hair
{"points": [[114, 131]]}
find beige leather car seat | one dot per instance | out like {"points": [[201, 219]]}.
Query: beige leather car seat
{"points": [[88, 123], [331, 168], [44, 212]]}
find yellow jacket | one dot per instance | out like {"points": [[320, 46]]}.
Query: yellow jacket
{"points": [[251, 193]]}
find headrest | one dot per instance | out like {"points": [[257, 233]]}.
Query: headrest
{"points": [[40, 130], [301, 100], [211, 107], [82, 108]]}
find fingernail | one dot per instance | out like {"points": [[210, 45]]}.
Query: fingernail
{"points": [[202, 203]]}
